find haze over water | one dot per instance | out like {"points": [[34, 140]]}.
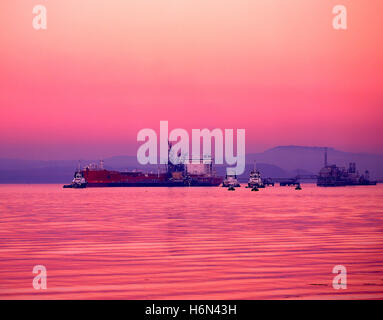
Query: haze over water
{"points": [[191, 243]]}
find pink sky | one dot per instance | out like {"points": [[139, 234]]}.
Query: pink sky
{"points": [[103, 70]]}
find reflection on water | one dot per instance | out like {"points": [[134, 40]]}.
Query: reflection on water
{"points": [[191, 243]]}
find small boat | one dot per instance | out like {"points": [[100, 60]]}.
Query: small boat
{"points": [[231, 181], [78, 181], [255, 180]]}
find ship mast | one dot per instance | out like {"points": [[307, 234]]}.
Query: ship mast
{"points": [[325, 156]]}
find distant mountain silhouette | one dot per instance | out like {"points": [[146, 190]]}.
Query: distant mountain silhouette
{"points": [[311, 159], [281, 162]]}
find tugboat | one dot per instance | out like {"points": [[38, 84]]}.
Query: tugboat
{"points": [[78, 182], [231, 182], [255, 180]]}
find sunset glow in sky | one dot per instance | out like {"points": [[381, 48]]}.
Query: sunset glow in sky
{"points": [[103, 70]]}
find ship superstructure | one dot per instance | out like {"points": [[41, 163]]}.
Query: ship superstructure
{"points": [[255, 180]]}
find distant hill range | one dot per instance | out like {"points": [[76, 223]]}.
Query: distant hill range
{"points": [[311, 159], [281, 162]]}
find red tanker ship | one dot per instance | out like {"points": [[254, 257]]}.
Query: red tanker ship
{"points": [[180, 175]]}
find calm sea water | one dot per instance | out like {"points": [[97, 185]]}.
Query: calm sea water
{"points": [[191, 243]]}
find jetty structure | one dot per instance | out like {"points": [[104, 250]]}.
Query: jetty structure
{"points": [[334, 176]]}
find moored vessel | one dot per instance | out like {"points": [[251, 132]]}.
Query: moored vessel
{"points": [[78, 181], [231, 181], [255, 180], [181, 175]]}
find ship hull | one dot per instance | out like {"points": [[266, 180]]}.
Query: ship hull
{"points": [[107, 179], [75, 186], [255, 185], [156, 184], [228, 185], [340, 184]]}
